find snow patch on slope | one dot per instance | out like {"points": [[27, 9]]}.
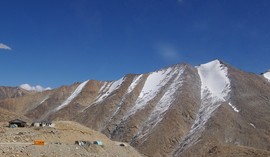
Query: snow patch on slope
{"points": [[215, 89], [38, 104], [72, 96], [108, 89], [164, 104], [134, 83], [46, 98], [214, 79], [36, 88], [152, 86], [103, 89], [234, 108], [267, 75], [252, 125]]}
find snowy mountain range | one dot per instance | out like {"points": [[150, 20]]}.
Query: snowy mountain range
{"points": [[212, 109]]}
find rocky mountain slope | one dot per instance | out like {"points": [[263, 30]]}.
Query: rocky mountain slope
{"points": [[180, 110], [12, 92]]}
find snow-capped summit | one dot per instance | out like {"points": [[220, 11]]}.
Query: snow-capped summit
{"points": [[214, 78], [215, 88], [36, 88], [267, 75]]}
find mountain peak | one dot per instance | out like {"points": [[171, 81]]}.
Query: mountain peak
{"points": [[216, 61], [179, 110], [214, 77], [267, 75]]}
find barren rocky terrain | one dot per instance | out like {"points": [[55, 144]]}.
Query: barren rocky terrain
{"points": [[59, 142]]}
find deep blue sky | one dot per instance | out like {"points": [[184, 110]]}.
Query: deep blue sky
{"points": [[58, 42]]}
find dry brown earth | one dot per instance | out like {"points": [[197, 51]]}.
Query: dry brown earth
{"points": [[59, 142]]}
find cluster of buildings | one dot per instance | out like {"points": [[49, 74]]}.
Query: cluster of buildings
{"points": [[20, 123]]}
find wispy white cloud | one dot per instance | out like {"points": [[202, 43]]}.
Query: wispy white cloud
{"points": [[180, 1], [168, 52], [36, 88], [3, 46]]}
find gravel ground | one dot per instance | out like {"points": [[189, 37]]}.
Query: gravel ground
{"points": [[59, 142]]}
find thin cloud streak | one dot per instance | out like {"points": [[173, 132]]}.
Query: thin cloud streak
{"points": [[168, 52], [5, 47], [180, 1]]}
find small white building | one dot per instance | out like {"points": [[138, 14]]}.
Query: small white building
{"points": [[43, 124]]}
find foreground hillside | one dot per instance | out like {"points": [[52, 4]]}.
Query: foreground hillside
{"points": [[179, 110], [59, 142]]}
